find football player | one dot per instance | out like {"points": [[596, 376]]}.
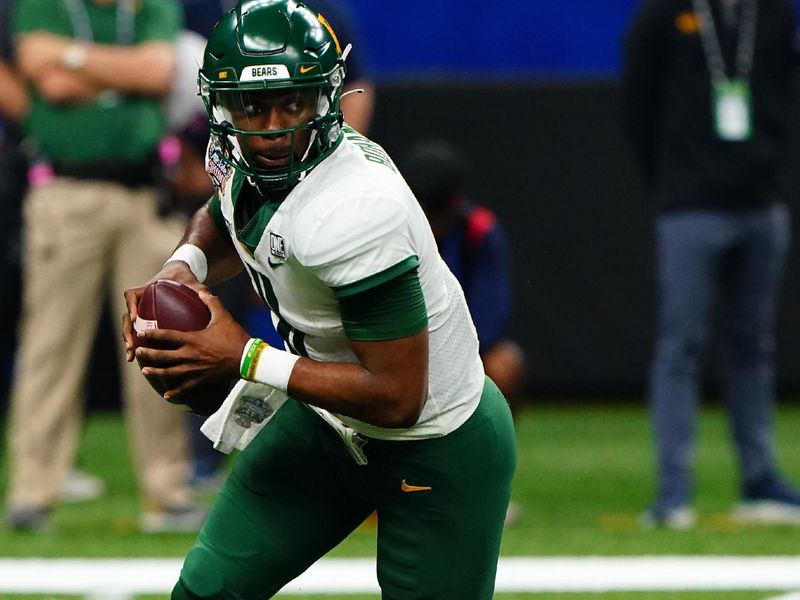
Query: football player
{"points": [[389, 408]]}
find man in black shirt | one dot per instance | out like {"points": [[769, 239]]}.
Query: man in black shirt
{"points": [[706, 91]]}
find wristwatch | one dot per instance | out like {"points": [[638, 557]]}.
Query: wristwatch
{"points": [[74, 56]]}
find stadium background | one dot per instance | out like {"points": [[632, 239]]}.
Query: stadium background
{"points": [[528, 87], [529, 90]]}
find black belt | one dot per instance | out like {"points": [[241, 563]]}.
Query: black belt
{"points": [[131, 175]]}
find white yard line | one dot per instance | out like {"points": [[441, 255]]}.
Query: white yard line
{"points": [[121, 578], [790, 596]]}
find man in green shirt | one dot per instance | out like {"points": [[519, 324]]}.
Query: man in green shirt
{"points": [[97, 70]]}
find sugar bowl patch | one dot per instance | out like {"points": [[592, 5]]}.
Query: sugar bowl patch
{"points": [[216, 166]]}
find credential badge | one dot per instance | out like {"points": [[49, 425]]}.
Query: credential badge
{"points": [[277, 245]]}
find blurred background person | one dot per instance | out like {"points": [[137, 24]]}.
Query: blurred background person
{"points": [[92, 225], [707, 87], [77, 485], [473, 244]]}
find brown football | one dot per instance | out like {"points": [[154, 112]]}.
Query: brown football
{"points": [[168, 304]]}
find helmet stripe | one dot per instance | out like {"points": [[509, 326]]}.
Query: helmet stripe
{"points": [[330, 30]]}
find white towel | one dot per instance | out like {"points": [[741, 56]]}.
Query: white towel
{"points": [[248, 407]]}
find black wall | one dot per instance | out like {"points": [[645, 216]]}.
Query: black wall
{"points": [[552, 161]]}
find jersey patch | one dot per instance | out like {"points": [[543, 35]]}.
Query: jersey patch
{"points": [[277, 245], [217, 168], [252, 410]]}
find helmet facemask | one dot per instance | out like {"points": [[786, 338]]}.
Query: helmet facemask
{"points": [[261, 50], [240, 123]]}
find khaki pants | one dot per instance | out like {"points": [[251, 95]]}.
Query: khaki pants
{"points": [[86, 241]]}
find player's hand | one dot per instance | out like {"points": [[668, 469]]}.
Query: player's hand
{"points": [[176, 270], [190, 358]]}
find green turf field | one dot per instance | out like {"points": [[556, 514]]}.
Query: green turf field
{"points": [[585, 472]]}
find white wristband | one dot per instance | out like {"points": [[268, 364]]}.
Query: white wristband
{"points": [[274, 368], [194, 257]]}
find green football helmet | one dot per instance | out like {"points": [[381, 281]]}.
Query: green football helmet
{"points": [[267, 49]]}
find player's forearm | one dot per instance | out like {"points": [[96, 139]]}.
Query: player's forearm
{"points": [[387, 387], [223, 262], [347, 389]]}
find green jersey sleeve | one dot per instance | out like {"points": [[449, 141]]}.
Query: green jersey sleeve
{"points": [[386, 306]]}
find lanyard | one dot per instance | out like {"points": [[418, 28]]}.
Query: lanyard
{"points": [[745, 43], [82, 25]]}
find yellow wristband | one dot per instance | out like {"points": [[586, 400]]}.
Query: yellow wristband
{"points": [[250, 356]]}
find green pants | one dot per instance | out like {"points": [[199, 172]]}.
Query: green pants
{"points": [[296, 492]]}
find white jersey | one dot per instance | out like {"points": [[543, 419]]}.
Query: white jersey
{"points": [[351, 218]]}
